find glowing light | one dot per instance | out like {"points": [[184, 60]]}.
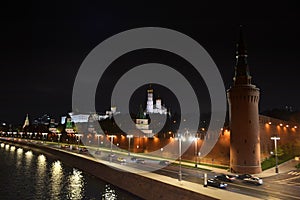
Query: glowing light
{"points": [[41, 159], [280, 124], [56, 179], [20, 150], [287, 126], [295, 126], [2, 145], [7, 146], [109, 193], [12, 148], [29, 153], [76, 184], [270, 123]]}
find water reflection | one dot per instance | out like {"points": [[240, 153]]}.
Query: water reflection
{"points": [[33, 176], [19, 151], [56, 179], [76, 185], [109, 194], [19, 157], [28, 156], [12, 148], [40, 176]]}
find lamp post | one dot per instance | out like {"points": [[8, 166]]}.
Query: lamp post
{"points": [[58, 140], [44, 134], [129, 137], [196, 151], [179, 144], [276, 158], [30, 135], [111, 143], [78, 140], [98, 137]]}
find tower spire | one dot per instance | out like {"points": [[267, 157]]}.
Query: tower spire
{"points": [[26, 123], [242, 73]]}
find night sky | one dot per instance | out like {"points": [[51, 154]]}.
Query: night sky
{"points": [[42, 46]]}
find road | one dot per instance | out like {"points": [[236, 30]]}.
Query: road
{"points": [[281, 186]]}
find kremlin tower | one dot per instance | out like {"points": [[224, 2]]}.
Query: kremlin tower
{"points": [[243, 98], [150, 101]]}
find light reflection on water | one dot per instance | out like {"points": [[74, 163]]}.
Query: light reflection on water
{"points": [[40, 176], [56, 179], [12, 148], [32, 175], [19, 157], [76, 184]]}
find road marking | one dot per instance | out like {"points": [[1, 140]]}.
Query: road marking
{"points": [[288, 179], [270, 191], [290, 172]]}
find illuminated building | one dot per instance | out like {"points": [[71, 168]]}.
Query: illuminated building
{"points": [[243, 98], [157, 107]]}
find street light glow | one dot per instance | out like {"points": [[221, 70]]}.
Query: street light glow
{"points": [[129, 137], [276, 158]]}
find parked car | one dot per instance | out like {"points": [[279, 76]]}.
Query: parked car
{"points": [[98, 152], [111, 157], [83, 150], [254, 180], [216, 183], [121, 160], [224, 177], [242, 176], [65, 146], [164, 162], [141, 161], [133, 158]]}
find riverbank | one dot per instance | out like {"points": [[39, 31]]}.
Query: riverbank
{"points": [[142, 184]]}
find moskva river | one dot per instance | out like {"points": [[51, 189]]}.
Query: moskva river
{"points": [[25, 174]]}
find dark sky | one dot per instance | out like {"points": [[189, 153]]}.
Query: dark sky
{"points": [[42, 46]]}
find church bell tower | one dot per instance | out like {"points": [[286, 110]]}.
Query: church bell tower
{"points": [[243, 98]]}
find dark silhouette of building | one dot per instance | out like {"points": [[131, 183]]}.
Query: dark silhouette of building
{"points": [[243, 98]]}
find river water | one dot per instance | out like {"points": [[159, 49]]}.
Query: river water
{"points": [[25, 174]]}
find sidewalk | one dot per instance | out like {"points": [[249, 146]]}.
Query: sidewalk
{"points": [[282, 168]]}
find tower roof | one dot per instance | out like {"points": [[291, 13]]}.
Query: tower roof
{"points": [[241, 46], [242, 73], [141, 114]]}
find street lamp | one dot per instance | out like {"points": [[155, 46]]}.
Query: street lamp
{"points": [[111, 143], [59, 134], [179, 144], [98, 136], [129, 137], [78, 140], [196, 151], [276, 158], [44, 134]]}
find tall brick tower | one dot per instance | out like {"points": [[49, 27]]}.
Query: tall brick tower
{"points": [[243, 98]]}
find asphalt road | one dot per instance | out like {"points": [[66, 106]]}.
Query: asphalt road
{"points": [[281, 186]]}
